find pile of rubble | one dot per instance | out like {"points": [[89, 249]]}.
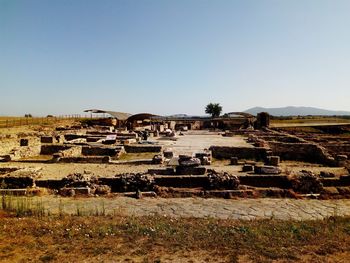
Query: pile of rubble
{"points": [[78, 183], [136, 182], [306, 182], [223, 180]]}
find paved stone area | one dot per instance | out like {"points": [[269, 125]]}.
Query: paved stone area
{"points": [[196, 141], [241, 209]]}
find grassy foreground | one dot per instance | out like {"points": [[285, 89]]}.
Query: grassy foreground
{"points": [[161, 239]]}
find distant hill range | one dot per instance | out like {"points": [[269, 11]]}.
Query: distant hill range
{"points": [[296, 111]]}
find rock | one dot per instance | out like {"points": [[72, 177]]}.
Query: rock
{"points": [[223, 180], [266, 169], [342, 157], [168, 154], [204, 157], [138, 194], [341, 160], [306, 182], [324, 174], [133, 182], [102, 189], [69, 192], [158, 159], [75, 180], [206, 161], [192, 162]]}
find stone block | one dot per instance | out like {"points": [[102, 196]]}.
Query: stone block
{"points": [[5, 158], [341, 157], [206, 161], [161, 171], [46, 139], [204, 157], [157, 159], [143, 148], [274, 160], [192, 162], [341, 160], [79, 190], [23, 142], [266, 169], [247, 168], [190, 170], [168, 154]]}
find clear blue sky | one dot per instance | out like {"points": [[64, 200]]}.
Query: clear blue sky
{"points": [[167, 57]]}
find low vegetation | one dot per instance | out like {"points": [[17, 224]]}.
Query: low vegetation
{"points": [[158, 238]]}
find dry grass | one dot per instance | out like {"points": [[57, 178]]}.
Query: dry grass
{"points": [[314, 119], [161, 239]]}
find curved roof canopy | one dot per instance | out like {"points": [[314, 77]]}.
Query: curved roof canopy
{"points": [[118, 115]]}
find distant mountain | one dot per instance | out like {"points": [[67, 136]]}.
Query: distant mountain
{"points": [[178, 116], [185, 116], [295, 111]]}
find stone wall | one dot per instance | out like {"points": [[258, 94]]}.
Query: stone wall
{"points": [[142, 148], [49, 149], [226, 152], [73, 151], [100, 151], [85, 159], [339, 148], [187, 181], [69, 137], [307, 152], [279, 181], [281, 138]]}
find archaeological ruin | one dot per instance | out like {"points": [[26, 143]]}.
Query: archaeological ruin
{"points": [[237, 155]]}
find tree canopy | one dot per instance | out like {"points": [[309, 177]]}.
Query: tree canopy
{"points": [[214, 109]]}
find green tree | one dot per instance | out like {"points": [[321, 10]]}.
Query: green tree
{"points": [[214, 109]]}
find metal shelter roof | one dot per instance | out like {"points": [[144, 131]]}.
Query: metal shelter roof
{"points": [[118, 115]]}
